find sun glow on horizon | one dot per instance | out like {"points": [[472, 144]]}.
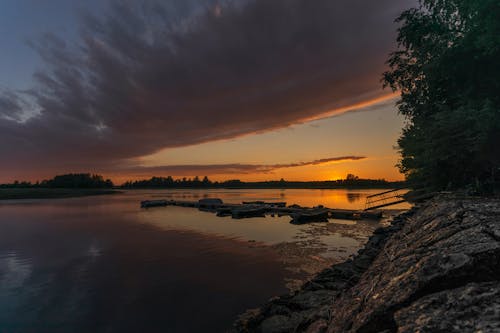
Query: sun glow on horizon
{"points": [[371, 133]]}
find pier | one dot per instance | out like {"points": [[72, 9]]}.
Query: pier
{"points": [[298, 214]]}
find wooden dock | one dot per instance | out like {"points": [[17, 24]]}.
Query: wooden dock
{"points": [[298, 213]]}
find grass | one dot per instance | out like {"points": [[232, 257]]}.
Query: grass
{"points": [[50, 193]]}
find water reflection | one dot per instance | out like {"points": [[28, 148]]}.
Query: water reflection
{"points": [[13, 271], [353, 197], [79, 265], [102, 264], [339, 198]]}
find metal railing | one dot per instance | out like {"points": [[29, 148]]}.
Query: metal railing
{"points": [[387, 198]]}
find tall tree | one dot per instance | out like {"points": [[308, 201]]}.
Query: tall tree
{"points": [[447, 69]]}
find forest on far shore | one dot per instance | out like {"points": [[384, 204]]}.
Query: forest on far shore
{"points": [[87, 180]]}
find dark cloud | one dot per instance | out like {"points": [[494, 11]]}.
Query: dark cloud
{"points": [[224, 169], [11, 106], [150, 75]]}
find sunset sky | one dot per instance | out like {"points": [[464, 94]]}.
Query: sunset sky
{"points": [[241, 89]]}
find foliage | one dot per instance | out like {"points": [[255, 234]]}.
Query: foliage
{"points": [[78, 180], [447, 69], [72, 180], [37, 192], [169, 182]]}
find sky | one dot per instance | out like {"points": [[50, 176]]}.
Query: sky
{"points": [[234, 89]]}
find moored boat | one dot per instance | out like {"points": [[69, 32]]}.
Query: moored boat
{"points": [[317, 215], [224, 211], [153, 203], [210, 203], [248, 212]]}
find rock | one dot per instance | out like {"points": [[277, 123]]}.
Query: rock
{"points": [[473, 308], [312, 303], [444, 246], [312, 299], [436, 268], [318, 326], [244, 321], [277, 324]]}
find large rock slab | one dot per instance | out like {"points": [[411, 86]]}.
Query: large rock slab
{"points": [[446, 245], [473, 308]]}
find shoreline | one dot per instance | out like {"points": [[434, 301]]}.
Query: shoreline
{"points": [[351, 187], [51, 193], [441, 253]]}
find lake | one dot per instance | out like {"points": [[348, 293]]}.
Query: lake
{"points": [[103, 264]]}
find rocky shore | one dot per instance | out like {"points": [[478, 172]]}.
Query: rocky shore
{"points": [[436, 268]]}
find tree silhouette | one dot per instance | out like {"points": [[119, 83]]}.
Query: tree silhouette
{"points": [[447, 69]]}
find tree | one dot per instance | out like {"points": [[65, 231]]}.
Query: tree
{"points": [[447, 69], [78, 180], [351, 178]]}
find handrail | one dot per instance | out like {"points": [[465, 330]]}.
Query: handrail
{"points": [[394, 190], [383, 199]]}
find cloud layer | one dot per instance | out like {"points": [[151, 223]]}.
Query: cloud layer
{"points": [[150, 75], [226, 169]]}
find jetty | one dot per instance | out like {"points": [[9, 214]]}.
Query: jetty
{"points": [[251, 209]]}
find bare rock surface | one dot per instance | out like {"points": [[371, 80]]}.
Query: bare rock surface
{"points": [[447, 244], [439, 260], [472, 308]]}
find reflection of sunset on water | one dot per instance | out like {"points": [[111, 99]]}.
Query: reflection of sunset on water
{"points": [[114, 251], [331, 198]]}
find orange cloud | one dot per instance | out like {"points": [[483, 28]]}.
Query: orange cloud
{"points": [[229, 168]]}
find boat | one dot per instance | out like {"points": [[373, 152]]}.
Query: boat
{"points": [[345, 214], [210, 203], [317, 215], [153, 203], [241, 213], [224, 211]]}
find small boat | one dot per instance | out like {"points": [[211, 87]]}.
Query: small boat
{"points": [[224, 211], [248, 212], [344, 214], [210, 203], [153, 203], [317, 215]]}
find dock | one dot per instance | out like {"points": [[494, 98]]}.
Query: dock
{"points": [[298, 214]]}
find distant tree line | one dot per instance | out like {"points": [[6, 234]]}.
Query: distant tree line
{"points": [[72, 180], [87, 180], [447, 69], [169, 182]]}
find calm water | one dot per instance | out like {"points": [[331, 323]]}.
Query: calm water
{"points": [[102, 264]]}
